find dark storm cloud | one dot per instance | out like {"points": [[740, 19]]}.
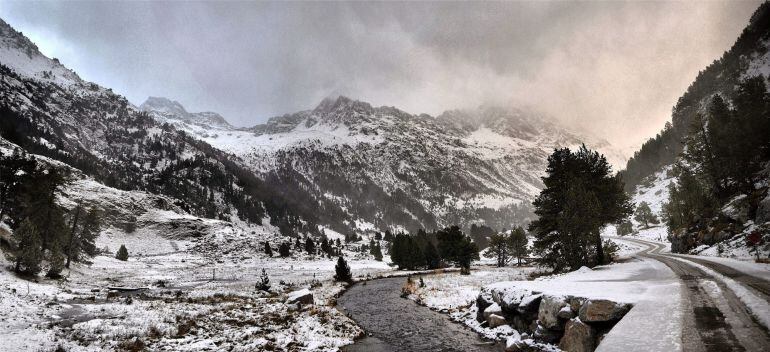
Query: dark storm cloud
{"points": [[614, 68]]}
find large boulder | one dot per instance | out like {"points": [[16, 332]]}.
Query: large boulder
{"points": [[495, 320], [493, 309], [578, 337], [602, 310], [550, 306], [529, 306], [483, 301], [303, 297]]}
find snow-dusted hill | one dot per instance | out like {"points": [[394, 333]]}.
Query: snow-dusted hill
{"points": [[383, 167]]}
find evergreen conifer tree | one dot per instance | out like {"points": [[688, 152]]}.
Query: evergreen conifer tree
{"points": [[122, 253], [342, 271]]}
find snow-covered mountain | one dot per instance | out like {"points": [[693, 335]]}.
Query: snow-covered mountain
{"points": [[345, 164], [168, 111], [383, 167], [48, 110]]}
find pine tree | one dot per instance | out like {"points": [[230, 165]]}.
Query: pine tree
{"points": [[499, 246], [309, 246], [645, 216], [284, 250], [432, 258], [342, 271], [122, 253], [518, 242], [624, 228], [82, 241], [457, 248], [28, 254], [264, 282], [298, 245], [268, 250], [377, 252], [580, 197]]}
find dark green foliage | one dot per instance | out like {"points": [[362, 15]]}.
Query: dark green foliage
{"points": [[499, 248], [580, 196], [28, 253], [268, 249], [122, 253], [506, 246], [722, 77], [689, 202], [309, 246], [457, 248], [518, 240], [342, 271], [264, 282], [29, 192], [432, 258], [406, 252], [82, 239], [725, 155], [624, 228], [284, 250], [481, 234], [645, 216], [610, 250]]}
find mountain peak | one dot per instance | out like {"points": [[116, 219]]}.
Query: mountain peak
{"points": [[331, 104], [162, 104], [167, 110]]}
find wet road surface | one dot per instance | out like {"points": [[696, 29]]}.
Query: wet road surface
{"points": [[714, 318]]}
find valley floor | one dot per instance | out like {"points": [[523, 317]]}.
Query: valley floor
{"points": [[193, 300]]}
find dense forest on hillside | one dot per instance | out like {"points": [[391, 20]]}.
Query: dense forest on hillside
{"points": [[722, 77]]}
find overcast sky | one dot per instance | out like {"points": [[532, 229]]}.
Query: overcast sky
{"points": [[614, 68]]}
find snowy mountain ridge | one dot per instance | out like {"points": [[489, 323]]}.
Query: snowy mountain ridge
{"points": [[168, 111], [463, 166]]}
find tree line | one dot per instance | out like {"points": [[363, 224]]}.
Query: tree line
{"points": [[43, 230], [433, 250], [724, 157]]}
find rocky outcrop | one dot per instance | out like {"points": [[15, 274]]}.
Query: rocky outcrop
{"points": [[303, 297], [574, 323]]}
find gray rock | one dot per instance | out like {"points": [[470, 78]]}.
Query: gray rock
{"points": [[483, 301], [301, 296], [566, 313], [493, 309], [529, 306], [578, 337], [495, 320], [550, 306], [547, 335], [602, 310]]}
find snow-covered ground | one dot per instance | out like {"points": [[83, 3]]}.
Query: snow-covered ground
{"points": [[196, 300], [450, 292]]}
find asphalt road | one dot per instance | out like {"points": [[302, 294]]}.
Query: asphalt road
{"points": [[714, 318]]}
